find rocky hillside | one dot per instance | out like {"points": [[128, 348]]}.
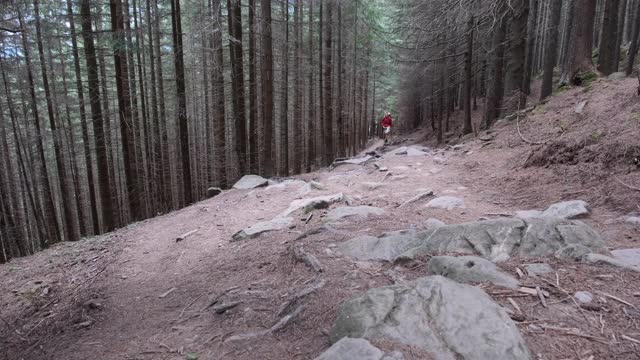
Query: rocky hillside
{"points": [[520, 243]]}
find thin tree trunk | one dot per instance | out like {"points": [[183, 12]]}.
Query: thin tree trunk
{"points": [[551, 50], [311, 117], [607, 51], [267, 86], [580, 42], [219, 104], [328, 89], [96, 116], [531, 44], [514, 78], [253, 93], [181, 101], [633, 49], [496, 85], [468, 56]]}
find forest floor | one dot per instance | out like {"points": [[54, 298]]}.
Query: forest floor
{"points": [[136, 293]]}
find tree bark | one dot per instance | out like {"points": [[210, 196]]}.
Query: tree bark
{"points": [[514, 78], [311, 116], [328, 89], [219, 104], [607, 51], [181, 101], [633, 48], [253, 93], [96, 116], [580, 42], [237, 81], [468, 57], [551, 49], [496, 85], [531, 44], [283, 143]]}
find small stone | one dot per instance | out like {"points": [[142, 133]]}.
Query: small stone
{"points": [[535, 328], [568, 209], [580, 107], [538, 269], [446, 202], [633, 220], [583, 297], [250, 182]]}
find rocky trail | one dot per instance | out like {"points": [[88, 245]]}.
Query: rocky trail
{"points": [[473, 250]]}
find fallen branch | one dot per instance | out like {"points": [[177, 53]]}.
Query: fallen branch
{"points": [[291, 303], [630, 339], [616, 299], [166, 293], [184, 236], [522, 137], [309, 259], [514, 304], [217, 298], [626, 185], [286, 320], [417, 198], [541, 297]]}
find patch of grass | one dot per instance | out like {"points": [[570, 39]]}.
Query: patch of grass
{"points": [[635, 115], [539, 109], [587, 77], [560, 89], [597, 135], [563, 126]]}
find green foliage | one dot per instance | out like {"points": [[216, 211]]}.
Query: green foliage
{"points": [[560, 89], [597, 135], [540, 108], [191, 356], [587, 77]]}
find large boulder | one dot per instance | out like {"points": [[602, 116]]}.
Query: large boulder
{"points": [[568, 209], [470, 269], [262, 227], [356, 349], [250, 182], [385, 247], [495, 240], [448, 320], [342, 212], [320, 202], [630, 257], [446, 202]]}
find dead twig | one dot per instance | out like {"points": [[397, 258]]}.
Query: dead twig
{"points": [[626, 185], [185, 235], [616, 299], [541, 297], [630, 339]]}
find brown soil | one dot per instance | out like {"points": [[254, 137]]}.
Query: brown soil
{"points": [[109, 297]]}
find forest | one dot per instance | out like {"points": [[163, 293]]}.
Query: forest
{"points": [[115, 112]]}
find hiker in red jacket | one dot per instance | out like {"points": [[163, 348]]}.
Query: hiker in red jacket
{"points": [[387, 123]]}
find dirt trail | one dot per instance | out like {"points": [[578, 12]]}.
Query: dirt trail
{"points": [[139, 294]]}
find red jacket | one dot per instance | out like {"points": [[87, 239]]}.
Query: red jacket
{"points": [[387, 121]]}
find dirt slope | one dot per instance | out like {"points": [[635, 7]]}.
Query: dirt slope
{"points": [[111, 297]]}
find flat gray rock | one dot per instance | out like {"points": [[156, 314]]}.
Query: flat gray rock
{"points": [[446, 202], [630, 257], [440, 316], [432, 223], [572, 252], [538, 269], [583, 297], [572, 209], [495, 240], [342, 212], [262, 227], [415, 152], [470, 269], [617, 76], [353, 161], [594, 258], [526, 214], [385, 247], [372, 185], [250, 182], [633, 220], [320, 202], [356, 349]]}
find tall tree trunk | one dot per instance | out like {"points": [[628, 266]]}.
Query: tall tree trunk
{"points": [[328, 89], [496, 85], [51, 221], [341, 150], [633, 48], [580, 42], [267, 86], [124, 106], [283, 144], [219, 104], [607, 51], [514, 78], [311, 116], [621, 23], [531, 44], [468, 57], [96, 116], [551, 49], [253, 93], [297, 108], [183, 129], [237, 81], [83, 122]]}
